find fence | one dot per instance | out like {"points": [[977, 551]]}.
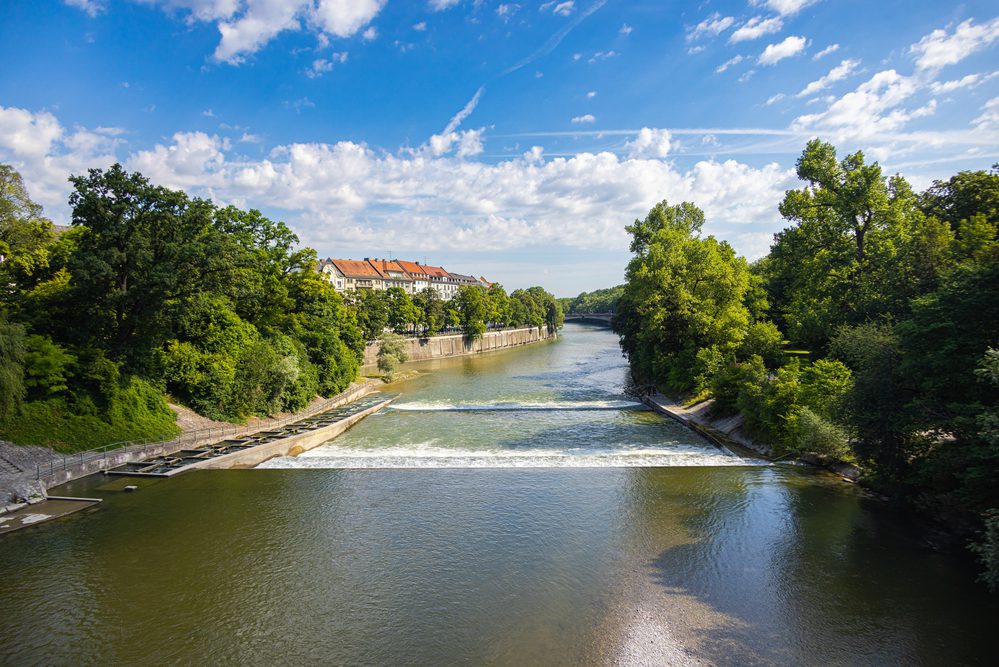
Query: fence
{"points": [[71, 466]]}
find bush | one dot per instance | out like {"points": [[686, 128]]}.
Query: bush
{"points": [[48, 367], [391, 352], [731, 380], [811, 433], [11, 368], [764, 340]]}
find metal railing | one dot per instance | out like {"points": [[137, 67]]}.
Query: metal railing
{"points": [[186, 440]]}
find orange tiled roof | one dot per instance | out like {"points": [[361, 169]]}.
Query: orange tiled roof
{"points": [[436, 272], [383, 266], [353, 268], [412, 268]]}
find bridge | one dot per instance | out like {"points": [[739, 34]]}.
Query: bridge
{"points": [[591, 318]]}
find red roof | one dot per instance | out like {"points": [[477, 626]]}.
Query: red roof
{"points": [[356, 269], [383, 266], [412, 268], [436, 272]]}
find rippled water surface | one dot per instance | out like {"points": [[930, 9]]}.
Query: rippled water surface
{"points": [[599, 534]]}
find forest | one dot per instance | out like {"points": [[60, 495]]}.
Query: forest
{"points": [[868, 334], [152, 296]]}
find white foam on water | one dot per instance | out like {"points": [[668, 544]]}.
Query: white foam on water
{"points": [[429, 455], [431, 406]]}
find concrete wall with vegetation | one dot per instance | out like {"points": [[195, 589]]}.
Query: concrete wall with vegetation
{"points": [[440, 347]]}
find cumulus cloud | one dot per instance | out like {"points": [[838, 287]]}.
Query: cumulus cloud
{"points": [[650, 143], [585, 118], [711, 26], [756, 27], [245, 27], [774, 53], [322, 65], [347, 194], [969, 81], [838, 73], [874, 108], [941, 48]]}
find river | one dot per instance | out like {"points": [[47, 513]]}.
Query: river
{"points": [[514, 508]]}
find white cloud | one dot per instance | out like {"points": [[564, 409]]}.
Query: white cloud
{"points": [[711, 26], [585, 118], [506, 10], [441, 5], [649, 143], [757, 27], [248, 138], [349, 195], [784, 7], [322, 65], [832, 48], [564, 8], [735, 60], [774, 53], [590, 95], [91, 7], [625, 29], [969, 81], [940, 48], [602, 55], [838, 73], [874, 108], [990, 116], [370, 34], [774, 99], [246, 26], [420, 27]]}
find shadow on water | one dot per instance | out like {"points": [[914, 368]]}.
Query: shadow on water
{"points": [[809, 571]]}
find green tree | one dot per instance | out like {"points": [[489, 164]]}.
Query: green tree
{"points": [[683, 293], [12, 356], [392, 351], [473, 310], [402, 314], [144, 248], [25, 235], [429, 304]]}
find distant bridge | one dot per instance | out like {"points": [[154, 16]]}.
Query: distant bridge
{"points": [[591, 318]]}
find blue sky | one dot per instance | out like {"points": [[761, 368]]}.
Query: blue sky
{"points": [[514, 140]]}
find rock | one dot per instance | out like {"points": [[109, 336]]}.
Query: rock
{"points": [[130, 488], [847, 470]]}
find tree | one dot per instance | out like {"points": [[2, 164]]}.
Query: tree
{"points": [[683, 293], [392, 351], [25, 235], [429, 304], [402, 314], [144, 248], [473, 310], [12, 354]]}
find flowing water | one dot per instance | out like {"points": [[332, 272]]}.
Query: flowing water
{"points": [[517, 508]]}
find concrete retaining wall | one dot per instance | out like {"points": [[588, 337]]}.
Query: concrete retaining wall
{"points": [[72, 467], [440, 347], [306, 441]]}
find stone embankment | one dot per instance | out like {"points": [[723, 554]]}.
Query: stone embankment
{"points": [[441, 347], [728, 432], [34, 470]]}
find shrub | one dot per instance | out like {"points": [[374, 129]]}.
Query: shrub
{"points": [[764, 340], [812, 433], [988, 551], [48, 367], [392, 352]]}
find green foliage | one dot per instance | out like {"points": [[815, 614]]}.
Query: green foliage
{"points": [[764, 340], [48, 367], [136, 410], [392, 351], [12, 358], [683, 293], [25, 236], [987, 550], [813, 433], [473, 310], [597, 301]]}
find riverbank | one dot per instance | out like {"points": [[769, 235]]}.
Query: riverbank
{"points": [[727, 432], [28, 472], [458, 345]]}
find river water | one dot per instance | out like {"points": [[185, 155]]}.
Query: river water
{"points": [[515, 508]]}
